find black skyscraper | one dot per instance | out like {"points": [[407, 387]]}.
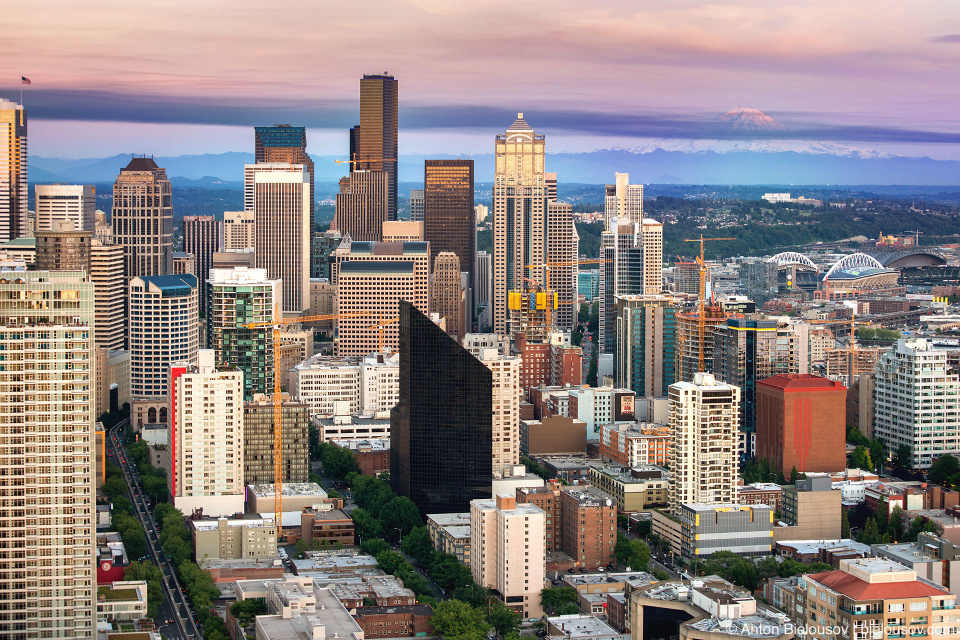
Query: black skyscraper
{"points": [[441, 442]]}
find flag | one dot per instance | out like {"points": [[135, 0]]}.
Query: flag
{"points": [[24, 80]]}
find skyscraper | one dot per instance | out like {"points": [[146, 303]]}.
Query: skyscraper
{"points": [[623, 200], [258, 440], [505, 418], [519, 215], [441, 440], [621, 274], [447, 293], [202, 236], [65, 202], [110, 294], [47, 502], [63, 248], [238, 230], [143, 218], [416, 205], [362, 206], [281, 207], [448, 223], [645, 354], [14, 193], [284, 143], [563, 245], [373, 144]]}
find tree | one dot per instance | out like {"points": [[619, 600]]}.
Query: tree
{"points": [[114, 487], [246, 610], [504, 620], [660, 574], [456, 620], [895, 524], [917, 526], [551, 599], [876, 453], [417, 545], [373, 546], [794, 475], [844, 524], [943, 468], [154, 578], [903, 457], [860, 458], [390, 561], [338, 462], [301, 548], [365, 524], [473, 594], [744, 574], [870, 534], [399, 514]]}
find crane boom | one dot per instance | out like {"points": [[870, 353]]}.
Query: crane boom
{"points": [[701, 320]]}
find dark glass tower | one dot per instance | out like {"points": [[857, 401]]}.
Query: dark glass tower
{"points": [[448, 217], [441, 437], [373, 144]]}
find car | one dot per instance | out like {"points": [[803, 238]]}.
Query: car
{"points": [[571, 570]]}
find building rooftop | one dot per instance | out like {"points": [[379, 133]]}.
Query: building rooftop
{"points": [[141, 164], [520, 508], [583, 626], [378, 267], [449, 519], [636, 578], [857, 589], [179, 284], [288, 489], [809, 547], [415, 609], [801, 382], [212, 524]]}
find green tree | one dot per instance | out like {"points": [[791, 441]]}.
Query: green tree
{"points": [[246, 610], [552, 598], [660, 574], [876, 453], [417, 545], [568, 609], [903, 457], [844, 524], [373, 546], [114, 487], [390, 561], [794, 475], [365, 524], [154, 578], [744, 574], [504, 620], [895, 524], [338, 462], [399, 515], [456, 620], [473, 594], [301, 548], [860, 458], [870, 534], [942, 469]]}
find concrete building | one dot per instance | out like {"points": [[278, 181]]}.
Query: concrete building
{"points": [[63, 248], [623, 200], [202, 237], [259, 439], [508, 554], [226, 538], [811, 511], [704, 418], [73, 203], [296, 496], [15, 200], [402, 231], [621, 274], [369, 385], [206, 437], [122, 601], [142, 218], [917, 401], [601, 405], [553, 434], [309, 613], [363, 205], [344, 427], [281, 207], [163, 318], [505, 417], [448, 297], [237, 258], [323, 244], [934, 559], [742, 529], [47, 501], [450, 533], [581, 627], [416, 205], [184, 263], [688, 352], [635, 444], [588, 528], [112, 379], [645, 353], [801, 423], [563, 251], [286, 144], [239, 230], [641, 488]]}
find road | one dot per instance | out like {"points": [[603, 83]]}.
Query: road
{"points": [[174, 606]]}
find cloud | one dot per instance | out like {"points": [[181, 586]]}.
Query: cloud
{"points": [[953, 37]]}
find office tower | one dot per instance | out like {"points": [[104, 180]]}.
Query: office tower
{"points": [[620, 275], [519, 215], [47, 563], [480, 212], [76, 203], [206, 437], [63, 248], [917, 401], [623, 200], [163, 320], [373, 144], [651, 240], [238, 230], [258, 440], [801, 423], [323, 244], [239, 297], [588, 528], [758, 280], [447, 296], [202, 236], [284, 143], [688, 347], [281, 206], [483, 293], [184, 263], [562, 251], [14, 192], [416, 205], [371, 279], [686, 277], [441, 444], [143, 218], [747, 350], [362, 205], [448, 211], [645, 354], [402, 231], [550, 180], [705, 421], [110, 295], [508, 551], [506, 409]]}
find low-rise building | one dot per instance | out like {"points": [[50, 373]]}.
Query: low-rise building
{"points": [[402, 621], [761, 493], [934, 559], [310, 613], [634, 444], [582, 627], [742, 529], [344, 426], [638, 489], [296, 496], [384, 590], [118, 601], [810, 511], [826, 551], [326, 523], [450, 533], [552, 435], [569, 468], [588, 528], [225, 538], [373, 455]]}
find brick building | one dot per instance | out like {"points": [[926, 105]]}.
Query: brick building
{"points": [[553, 434], [632, 445], [588, 528], [404, 621], [548, 499], [326, 524], [373, 456]]}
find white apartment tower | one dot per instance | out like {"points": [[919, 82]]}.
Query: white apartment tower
{"points": [[74, 203], [206, 437], [47, 504], [110, 293], [917, 401], [506, 409], [623, 200], [163, 329], [278, 193], [508, 551], [705, 424]]}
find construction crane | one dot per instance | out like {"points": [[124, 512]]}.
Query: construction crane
{"points": [[354, 162], [548, 265], [852, 344], [701, 319], [380, 325], [276, 326]]}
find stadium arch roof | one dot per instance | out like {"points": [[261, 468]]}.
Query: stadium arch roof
{"points": [[854, 260], [792, 257]]}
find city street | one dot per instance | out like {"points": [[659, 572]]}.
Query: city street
{"points": [[174, 606]]}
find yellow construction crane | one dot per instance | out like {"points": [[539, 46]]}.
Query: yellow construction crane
{"points": [[276, 326], [548, 265], [354, 162], [701, 319], [852, 345], [380, 325]]}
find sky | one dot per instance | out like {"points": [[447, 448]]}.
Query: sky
{"points": [[193, 77]]}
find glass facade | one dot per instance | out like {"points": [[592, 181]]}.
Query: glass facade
{"points": [[448, 223], [441, 441]]}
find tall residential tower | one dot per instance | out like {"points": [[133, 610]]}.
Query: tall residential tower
{"points": [[14, 193]]}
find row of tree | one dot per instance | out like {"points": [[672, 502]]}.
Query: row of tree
{"points": [[888, 525]]}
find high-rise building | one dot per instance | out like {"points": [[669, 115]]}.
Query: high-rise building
{"points": [[322, 246], [362, 205], [239, 297], [705, 422], [284, 143], [416, 205], [506, 409], [258, 440], [75, 203], [47, 502], [448, 211], [448, 296], [281, 206], [206, 437], [801, 423], [163, 320], [373, 144], [651, 241], [588, 528], [562, 251], [483, 293], [758, 280], [441, 430], [621, 274], [14, 192], [645, 354], [110, 294], [184, 262], [519, 215], [917, 401], [693, 357], [239, 230], [367, 386], [63, 248], [371, 279], [550, 180], [508, 551], [480, 212], [143, 218], [202, 236], [623, 200], [686, 277], [402, 231]]}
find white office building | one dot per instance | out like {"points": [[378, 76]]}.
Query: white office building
{"points": [[72, 203]]}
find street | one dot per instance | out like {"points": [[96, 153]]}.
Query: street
{"points": [[174, 605]]}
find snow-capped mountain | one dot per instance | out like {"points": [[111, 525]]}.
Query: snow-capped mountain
{"points": [[746, 119]]}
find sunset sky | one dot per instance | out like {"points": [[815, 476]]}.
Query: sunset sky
{"points": [[111, 77]]}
